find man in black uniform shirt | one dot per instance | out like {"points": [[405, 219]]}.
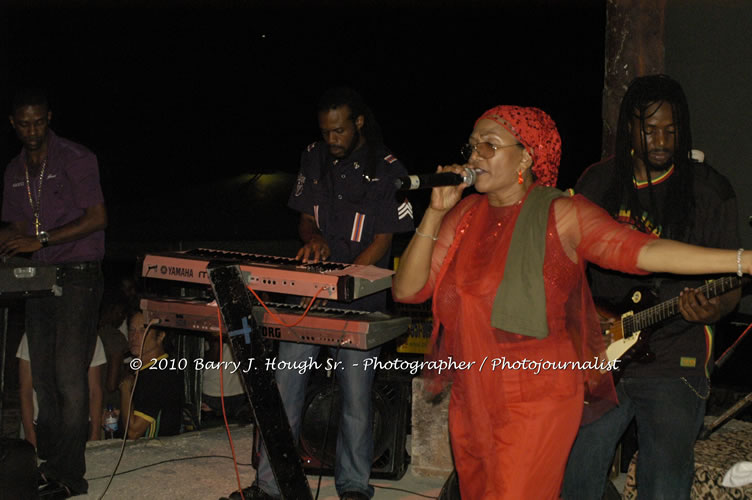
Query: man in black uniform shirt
{"points": [[654, 185], [349, 211]]}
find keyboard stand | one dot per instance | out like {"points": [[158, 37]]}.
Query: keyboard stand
{"points": [[236, 306]]}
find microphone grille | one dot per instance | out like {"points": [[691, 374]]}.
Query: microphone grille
{"points": [[469, 176]]}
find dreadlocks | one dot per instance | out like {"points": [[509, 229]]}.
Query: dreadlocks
{"points": [[674, 214]]}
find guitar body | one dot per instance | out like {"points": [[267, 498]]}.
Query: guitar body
{"points": [[627, 334], [624, 343]]}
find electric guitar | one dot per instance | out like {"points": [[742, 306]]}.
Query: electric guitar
{"points": [[627, 338]]}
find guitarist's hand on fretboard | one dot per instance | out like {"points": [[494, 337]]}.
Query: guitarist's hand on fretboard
{"points": [[695, 308]]}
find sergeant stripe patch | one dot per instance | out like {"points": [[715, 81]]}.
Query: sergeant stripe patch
{"points": [[405, 210]]}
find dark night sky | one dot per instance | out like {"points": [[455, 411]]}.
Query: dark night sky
{"points": [[176, 99]]}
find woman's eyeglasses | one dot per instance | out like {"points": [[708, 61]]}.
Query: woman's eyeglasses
{"points": [[485, 150]]}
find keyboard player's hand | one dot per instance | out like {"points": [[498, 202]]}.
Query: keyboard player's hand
{"points": [[19, 244], [315, 250]]}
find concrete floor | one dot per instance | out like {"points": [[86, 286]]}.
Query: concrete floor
{"points": [[197, 466]]}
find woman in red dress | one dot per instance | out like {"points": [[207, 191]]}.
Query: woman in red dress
{"points": [[505, 269]]}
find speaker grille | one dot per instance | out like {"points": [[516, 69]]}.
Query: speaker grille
{"points": [[391, 408]]}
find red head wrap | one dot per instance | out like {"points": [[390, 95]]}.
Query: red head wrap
{"points": [[537, 132]]}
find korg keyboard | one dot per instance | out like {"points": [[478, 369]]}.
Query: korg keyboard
{"points": [[347, 328]]}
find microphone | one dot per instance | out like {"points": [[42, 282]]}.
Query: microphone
{"points": [[424, 181]]}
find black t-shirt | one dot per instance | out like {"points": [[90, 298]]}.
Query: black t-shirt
{"points": [[681, 348]]}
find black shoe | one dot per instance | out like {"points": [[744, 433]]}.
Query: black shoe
{"points": [[54, 490], [353, 495], [253, 492]]}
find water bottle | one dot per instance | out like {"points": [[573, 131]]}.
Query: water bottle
{"points": [[110, 422]]}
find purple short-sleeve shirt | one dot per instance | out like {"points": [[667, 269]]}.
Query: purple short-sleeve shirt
{"points": [[70, 186]]}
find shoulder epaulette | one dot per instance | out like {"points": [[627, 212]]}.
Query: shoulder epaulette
{"points": [[390, 158], [310, 147]]}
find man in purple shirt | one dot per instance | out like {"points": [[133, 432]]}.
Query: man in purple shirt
{"points": [[53, 208]]}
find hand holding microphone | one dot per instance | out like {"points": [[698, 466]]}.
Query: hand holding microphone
{"points": [[445, 178], [448, 183]]}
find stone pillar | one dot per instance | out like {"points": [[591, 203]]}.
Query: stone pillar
{"points": [[430, 454]]}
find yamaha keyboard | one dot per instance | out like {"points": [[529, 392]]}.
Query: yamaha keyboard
{"points": [[347, 328], [330, 280]]}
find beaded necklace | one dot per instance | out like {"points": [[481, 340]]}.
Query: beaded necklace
{"points": [[35, 207]]}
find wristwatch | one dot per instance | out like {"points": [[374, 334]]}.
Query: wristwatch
{"points": [[44, 238]]}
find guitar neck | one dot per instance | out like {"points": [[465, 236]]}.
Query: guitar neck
{"points": [[669, 308]]}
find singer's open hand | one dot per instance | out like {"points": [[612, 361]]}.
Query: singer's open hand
{"points": [[444, 198]]}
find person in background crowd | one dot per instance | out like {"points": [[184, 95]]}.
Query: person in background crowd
{"points": [[231, 389], [156, 407], [29, 406]]}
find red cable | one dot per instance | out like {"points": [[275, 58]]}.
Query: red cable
{"points": [[277, 318]]}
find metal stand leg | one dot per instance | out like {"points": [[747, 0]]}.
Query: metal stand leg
{"points": [[236, 307], [718, 422]]}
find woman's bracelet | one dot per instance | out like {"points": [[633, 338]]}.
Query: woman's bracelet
{"points": [[434, 238], [739, 271]]}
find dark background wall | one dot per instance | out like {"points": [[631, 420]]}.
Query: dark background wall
{"points": [[708, 51]]}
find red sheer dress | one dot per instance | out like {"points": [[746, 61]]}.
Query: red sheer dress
{"points": [[512, 424]]}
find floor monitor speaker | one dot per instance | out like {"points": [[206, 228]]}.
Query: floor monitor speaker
{"points": [[391, 411]]}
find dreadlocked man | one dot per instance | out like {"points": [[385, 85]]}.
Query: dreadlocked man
{"points": [[657, 184]]}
